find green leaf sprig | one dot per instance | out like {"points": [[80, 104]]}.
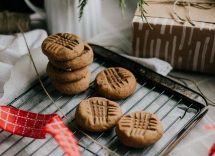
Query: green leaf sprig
{"points": [[122, 3], [81, 5]]}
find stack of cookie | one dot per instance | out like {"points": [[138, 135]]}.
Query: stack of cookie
{"points": [[69, 58]]}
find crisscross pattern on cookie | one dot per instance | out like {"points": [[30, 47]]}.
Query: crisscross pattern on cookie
{"points": [[62, 46], [117, 77], [138, 123], [102, 110], [66, 40]]}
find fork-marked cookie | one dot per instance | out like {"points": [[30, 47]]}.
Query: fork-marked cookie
{"points": [[97, 114], [115, 83], [139, 129], [62, 46], [60, 75], [73, 87], [81, 61]]}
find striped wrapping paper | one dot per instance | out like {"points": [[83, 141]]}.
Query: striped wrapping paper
{"points": [[184, 46]]}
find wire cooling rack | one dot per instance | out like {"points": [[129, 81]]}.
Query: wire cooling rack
{"points": [[178, 108]]}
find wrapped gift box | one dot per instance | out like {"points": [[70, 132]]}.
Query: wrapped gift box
{"points": [[185, 46]]}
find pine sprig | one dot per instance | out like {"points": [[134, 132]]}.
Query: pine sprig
{"points": [[140, 5], [122, 3], [81, 5]]}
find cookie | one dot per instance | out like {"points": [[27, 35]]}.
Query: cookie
{"points": [[115, 83], [60, 75], [81, 61], [73, 87], [97, 114], [62, 46], [139, 129]]}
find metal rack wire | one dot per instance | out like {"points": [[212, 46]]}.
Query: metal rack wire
{"points": [[175, 112]]}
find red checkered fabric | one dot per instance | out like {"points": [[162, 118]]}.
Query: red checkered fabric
{"points": [[36, 125], [62, 135], [212, 150]]}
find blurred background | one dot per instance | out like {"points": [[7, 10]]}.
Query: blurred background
{"points": [[19, 5]]}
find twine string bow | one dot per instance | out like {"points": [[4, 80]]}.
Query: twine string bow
{"points": [[200, 4], [187, 4]]}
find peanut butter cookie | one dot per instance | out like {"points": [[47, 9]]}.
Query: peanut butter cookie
{"points": [[73, 87], [62, 46], [115, 83], [60, 75], [97, 114], [81, 61], [139, 129]]}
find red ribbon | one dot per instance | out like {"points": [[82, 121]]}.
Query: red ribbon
{"points": [[36, 126], [212, 150]]}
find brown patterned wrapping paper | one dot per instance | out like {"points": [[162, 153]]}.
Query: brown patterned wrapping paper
{"points": [[185, 46]]}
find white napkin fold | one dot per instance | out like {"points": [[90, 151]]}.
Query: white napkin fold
{"points": [[5, 74], [16, 69], [155, 64]]}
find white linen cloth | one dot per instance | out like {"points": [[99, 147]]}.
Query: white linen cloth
{"points": [[16, 68], [155, 64]]}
